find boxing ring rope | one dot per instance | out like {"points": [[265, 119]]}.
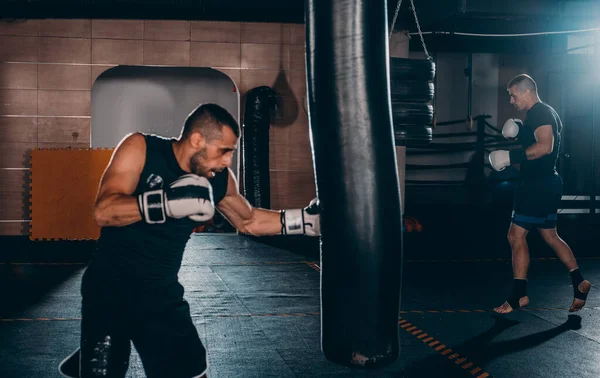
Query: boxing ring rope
{"points": [[477, 162], [477, 183]]}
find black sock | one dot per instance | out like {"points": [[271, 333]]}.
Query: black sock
{"points": [[519, 287], [519, 291], [576, 277]]}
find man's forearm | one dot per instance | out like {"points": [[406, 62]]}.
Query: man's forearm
{"points": [[264, 222], [537, 150], [117, 210]]}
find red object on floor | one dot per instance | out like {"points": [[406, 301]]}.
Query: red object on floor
{"points": [[411, 224]]}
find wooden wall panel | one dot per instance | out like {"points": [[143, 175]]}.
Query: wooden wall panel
{"points": [[48, 67], [15, 155], [64, 50], [171, 53], [160, 30], [18, 76], [291, 189], [279, 148], [297, 34], [214, 31], [13, 228], [18, 129], [64, 77], [18, 49], [118, 29], [263, 33], [215, 54], [14, 195], [300, 155], [255, 78], [109, 51], [63, 103], [262, 56], [64, 130], [295, 57], [65, 28], [18, 102], [22, 28]]}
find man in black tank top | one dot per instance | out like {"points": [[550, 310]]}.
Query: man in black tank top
{"points": [[539, 193], [154, 192]]}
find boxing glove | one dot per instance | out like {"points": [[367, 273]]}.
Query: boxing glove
{"points": [[189, 196], [511, 128], [305, 221], [501, 159]]}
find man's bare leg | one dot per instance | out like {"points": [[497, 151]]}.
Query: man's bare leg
{"points": [[581, 287], [517, 238]]}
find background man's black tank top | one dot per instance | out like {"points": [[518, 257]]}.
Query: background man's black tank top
{"points": [[149, 255]]}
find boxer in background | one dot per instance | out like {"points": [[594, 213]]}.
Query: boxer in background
{"points": [[538, 195]]}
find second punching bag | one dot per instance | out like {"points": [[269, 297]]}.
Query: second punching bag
{"points": [[261, 106], [356, 178]]}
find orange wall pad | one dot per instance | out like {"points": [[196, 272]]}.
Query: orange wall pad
{"points": [[64, 183]]}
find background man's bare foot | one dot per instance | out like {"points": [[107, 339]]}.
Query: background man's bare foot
{"points": [[578, 303], [506, 307]]}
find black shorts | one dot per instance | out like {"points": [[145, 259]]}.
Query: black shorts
{"points": [[536, 202], [165, 337]]}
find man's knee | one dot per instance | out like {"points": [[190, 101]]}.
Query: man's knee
{"points": [[517, 235], [516, 240], [550, 235]]}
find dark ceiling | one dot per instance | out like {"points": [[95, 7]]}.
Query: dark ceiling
{"points": [[473, 16]]}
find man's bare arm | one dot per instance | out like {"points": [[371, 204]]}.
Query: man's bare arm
{"points": [[544, 144], [245, 218], [115, 205]]}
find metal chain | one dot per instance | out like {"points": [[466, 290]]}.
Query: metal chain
{"points": [[395, 17], [419, 29]]}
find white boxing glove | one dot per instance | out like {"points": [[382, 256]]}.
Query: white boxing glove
{"points": [[305, 221], [188, 196], [511, 128], [499, 159]]}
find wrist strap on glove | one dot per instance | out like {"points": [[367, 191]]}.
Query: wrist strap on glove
{"points": [[517, 155], [292, 222], [152, 206]]}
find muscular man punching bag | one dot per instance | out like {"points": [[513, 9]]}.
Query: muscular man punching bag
{"points": [[356, 178]]}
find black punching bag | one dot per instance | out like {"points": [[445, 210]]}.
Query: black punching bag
{"points": [[356, 178], [261, 105]]}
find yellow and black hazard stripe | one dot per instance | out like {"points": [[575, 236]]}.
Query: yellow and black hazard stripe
{"points": [[461, 361]]}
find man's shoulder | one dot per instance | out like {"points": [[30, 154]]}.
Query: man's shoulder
{"points": [[141, 143], [541, 114], [547, 108], [155, 137], [541, 108], [220, 176], [131, 142], [220, 184]]}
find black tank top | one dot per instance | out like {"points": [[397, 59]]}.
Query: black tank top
{"points": [[149, 255]]}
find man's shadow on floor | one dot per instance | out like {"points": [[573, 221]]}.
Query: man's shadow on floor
{"points": [[479, 350]]}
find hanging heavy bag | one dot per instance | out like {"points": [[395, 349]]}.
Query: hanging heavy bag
{"points": [[261, 106]]}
